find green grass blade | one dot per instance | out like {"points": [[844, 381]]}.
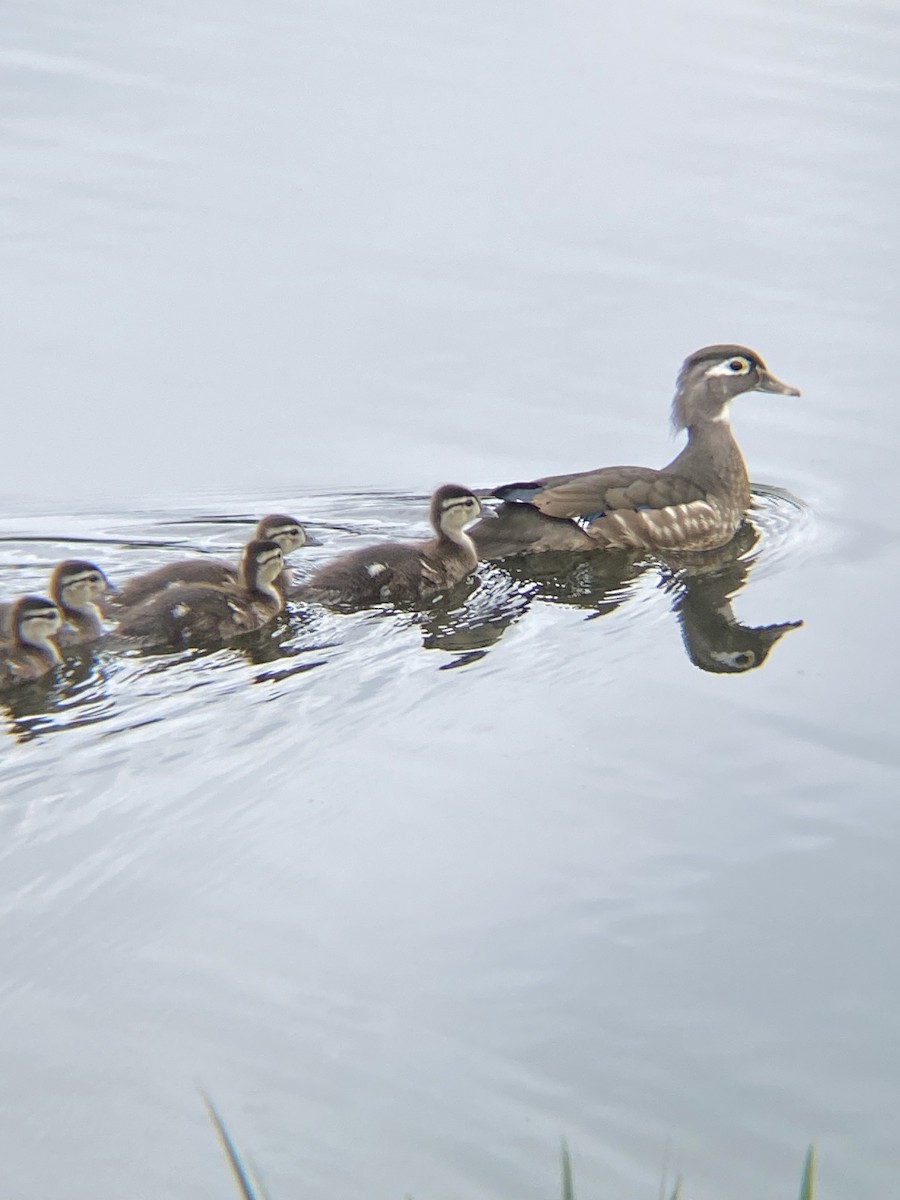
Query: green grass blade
{"points": [[565, 1161], [808, 1186], [241, 1178], [676, 1190]]}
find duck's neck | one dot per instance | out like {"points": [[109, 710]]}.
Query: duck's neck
{"points": [[45, 646], [712, 458], [269, 592], [86, 608], [458, 538]]}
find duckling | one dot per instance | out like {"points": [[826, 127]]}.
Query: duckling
{"points": [[192, 613], [697, 502], [75, 587], [287, 532], [30, 652], [404, 571]]}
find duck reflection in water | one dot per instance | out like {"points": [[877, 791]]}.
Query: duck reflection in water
{"points": [[703, 584], [74, 694]]}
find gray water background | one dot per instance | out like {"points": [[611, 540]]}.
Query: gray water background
{"points": [[410, 925]]}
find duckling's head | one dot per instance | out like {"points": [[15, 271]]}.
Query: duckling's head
{"points": [[35, 621], [261, 564], [453, 508], [286, 531], [76, 585], [710, 378]]}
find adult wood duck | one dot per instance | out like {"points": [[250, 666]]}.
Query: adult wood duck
{"points": [[697, 502], [30, 651], [404, 571], [197, 614], [287, 532]]}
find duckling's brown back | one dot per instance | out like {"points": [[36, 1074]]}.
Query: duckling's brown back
{"points": [[188, 614], [207, 571]]}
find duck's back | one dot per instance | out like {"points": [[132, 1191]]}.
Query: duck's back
{"points": [[636, 508], [391, 571], [189, 614], [371, 575], [210, 572]]}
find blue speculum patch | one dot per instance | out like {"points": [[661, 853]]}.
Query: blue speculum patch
{"points": [[523, 494]]}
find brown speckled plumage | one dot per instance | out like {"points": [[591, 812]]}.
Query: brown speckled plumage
{"points": [[403, 571], [286, 531], [199, 614]]}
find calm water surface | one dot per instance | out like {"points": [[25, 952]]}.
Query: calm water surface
{"points": [[413, 895]]}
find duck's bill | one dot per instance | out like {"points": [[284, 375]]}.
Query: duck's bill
{"points": [[490, 513], [768, 383]]}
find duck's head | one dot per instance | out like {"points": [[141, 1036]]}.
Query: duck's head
{"points": [[711, 378], [453, 508], [261, 564], [77, 585], [286, 531], [35, 621]]}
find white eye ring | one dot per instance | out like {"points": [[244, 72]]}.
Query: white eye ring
{"points": [[736, 365]]}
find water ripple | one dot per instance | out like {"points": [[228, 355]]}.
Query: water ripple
{"points": [[110, 693]]}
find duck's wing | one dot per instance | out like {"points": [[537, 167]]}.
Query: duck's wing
{"points": [[593, 494], [626, 507]]}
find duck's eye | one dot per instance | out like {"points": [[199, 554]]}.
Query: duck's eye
{"points": [[739, 366]]}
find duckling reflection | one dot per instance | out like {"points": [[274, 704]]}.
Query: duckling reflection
{"points": [[403, 572], [502, 595], [73, 695], [30, 652], [715, 640], [285, 531], [194, 614]]}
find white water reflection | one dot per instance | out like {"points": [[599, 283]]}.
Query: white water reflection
{"points": [[409, 925]]}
